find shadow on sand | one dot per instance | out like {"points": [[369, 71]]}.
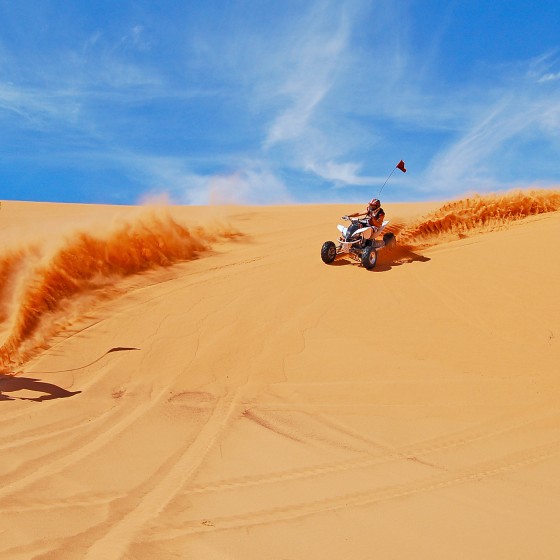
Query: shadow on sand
{"points": [[387, 259], [11, 383], [48, 391], [397, 257]]}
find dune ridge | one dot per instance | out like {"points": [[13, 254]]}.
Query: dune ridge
{"points": [[38, 282], [476, 214]]}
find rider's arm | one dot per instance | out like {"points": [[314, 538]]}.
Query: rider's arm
{"points": [[356, 214]]}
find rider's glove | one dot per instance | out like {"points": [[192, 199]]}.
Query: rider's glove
{"points": [[345, 217]]}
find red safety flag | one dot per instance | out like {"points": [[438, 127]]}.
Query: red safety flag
{"points": [[401, 166]]}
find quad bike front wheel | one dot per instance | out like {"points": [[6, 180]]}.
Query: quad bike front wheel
{"points": [[328, 252], [369, 257]]}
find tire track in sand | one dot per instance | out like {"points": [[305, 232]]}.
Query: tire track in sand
{"points": [[378, 455], [77, 451], [128, 512], [115, 541], [361, 498], [84, 450]]}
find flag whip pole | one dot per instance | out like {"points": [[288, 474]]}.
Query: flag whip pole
{"points": [[401, 166], [379, 193]]}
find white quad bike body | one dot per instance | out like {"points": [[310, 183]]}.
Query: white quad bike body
{"points": [[360, 241]]}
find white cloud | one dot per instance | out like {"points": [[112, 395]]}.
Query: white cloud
{"points": [[469, 162], [292, 122], [312, 62], [246, 186], [37, 107], [341, 173], [541, 68], [252, 181], [549, 77]]}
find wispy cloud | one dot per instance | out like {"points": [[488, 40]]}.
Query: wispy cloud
{"points": [[254, 184], [477, 158], [250, 181], [315, 60], [549, 77], [341, 174], [38, 108], [543, 68]]}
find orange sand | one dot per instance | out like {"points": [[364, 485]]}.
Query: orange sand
{"points": [[196, 383]]}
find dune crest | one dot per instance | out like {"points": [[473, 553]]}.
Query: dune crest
{"points": [[476, 214], [38, 281]]}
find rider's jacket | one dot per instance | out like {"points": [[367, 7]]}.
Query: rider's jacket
{"points": [[376, 217]]}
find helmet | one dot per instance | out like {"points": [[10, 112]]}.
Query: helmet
{"points": [[374, 204]]}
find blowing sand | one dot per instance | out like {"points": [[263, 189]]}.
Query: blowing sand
{"points": [[195, 383]]}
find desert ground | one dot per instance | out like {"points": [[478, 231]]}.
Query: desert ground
{"points": [[195, 383]]}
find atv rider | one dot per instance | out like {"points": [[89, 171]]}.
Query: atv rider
{"points": [[374, 213]]}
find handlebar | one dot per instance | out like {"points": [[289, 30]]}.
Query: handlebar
{"points": [[356, 219]]}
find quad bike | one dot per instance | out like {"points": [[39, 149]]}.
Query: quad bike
{"points": [[358, 241]]}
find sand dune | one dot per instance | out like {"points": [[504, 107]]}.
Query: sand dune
{"points": [[191, 382]]}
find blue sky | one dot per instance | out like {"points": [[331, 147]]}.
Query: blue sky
{"points": [[258, 101]]}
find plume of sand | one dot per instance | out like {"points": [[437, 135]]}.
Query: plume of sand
{"points": [[41, 282], [476, 214]]}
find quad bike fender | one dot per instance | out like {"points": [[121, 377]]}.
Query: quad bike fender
{"points": [[383, 225], [365, 231], [380, 230], [371, 232], [368, 232]]}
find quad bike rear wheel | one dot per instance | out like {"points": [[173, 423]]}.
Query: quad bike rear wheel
{"points": [[389, 240], [328, 252], [369, 257]]}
